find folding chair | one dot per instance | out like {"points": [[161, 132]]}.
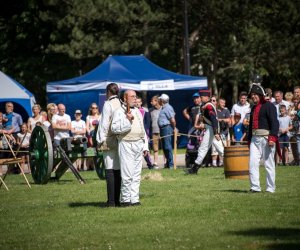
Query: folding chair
{"points": [[14, 160]]}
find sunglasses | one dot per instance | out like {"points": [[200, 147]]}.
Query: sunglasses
{"points": [[213, 100], [94, 107]]}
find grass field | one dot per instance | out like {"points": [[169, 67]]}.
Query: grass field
{"points": [[178, 212]]}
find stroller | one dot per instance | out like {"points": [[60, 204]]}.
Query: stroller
{"points": [[194, 142]]}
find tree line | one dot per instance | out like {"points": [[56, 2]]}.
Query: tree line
{"points": [[229, 40]]}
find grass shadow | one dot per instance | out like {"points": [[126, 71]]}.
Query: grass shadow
{"points": [[288, 237], [236, 191], [88, 204]]}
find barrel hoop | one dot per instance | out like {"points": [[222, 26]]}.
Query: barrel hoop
{"points": [[226, 155], [236, 173]]}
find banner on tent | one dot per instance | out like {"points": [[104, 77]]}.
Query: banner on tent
{"points": [[157, 85]]}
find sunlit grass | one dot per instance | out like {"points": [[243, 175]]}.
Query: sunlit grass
{"points": [[204, 211]]}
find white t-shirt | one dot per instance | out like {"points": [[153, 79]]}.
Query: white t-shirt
{"points": [[284, 123], [78, 126], [62, 120], [33, 122], [25, 142], [242, 109]]}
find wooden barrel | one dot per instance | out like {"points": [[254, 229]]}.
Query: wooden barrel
{"points": [[236, 162]]}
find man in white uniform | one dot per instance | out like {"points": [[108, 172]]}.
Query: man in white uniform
{"points": [[262, 137], [211, 134], [107, 142], [128, 124]]}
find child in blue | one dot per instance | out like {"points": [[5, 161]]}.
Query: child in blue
{"points": [[239, 131]]}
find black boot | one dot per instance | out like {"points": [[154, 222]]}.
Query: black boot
{"points": [[110, 186], [117, 176], [194, 169]]}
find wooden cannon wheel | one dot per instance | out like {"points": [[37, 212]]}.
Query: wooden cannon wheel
{"points": [[41, 155]]}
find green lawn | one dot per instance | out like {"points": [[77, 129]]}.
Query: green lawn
{"points": [[178, 212]]}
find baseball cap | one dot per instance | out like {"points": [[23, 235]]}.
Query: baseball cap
{"points": [[164, 97], [196, 94], [78, 111]]}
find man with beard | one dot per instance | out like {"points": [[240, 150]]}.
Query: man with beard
{"points": [[263, 136]]}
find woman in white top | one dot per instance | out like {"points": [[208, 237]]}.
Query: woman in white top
{"points": [[92, 121], [36, 118]]}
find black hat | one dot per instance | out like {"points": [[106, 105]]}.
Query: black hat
{"points": [[204, 92], [257, 89]]}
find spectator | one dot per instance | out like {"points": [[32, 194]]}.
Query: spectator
{"points": [[294, 131], [296, 91], [12, 120], [223, 116], [23, 141], [279, 101], [92, 121], [51, 111], [46, 123], [239, 133], [154, 113], [9, 137], [285, 125], [61, 124], [242, 107], [78, 129], [167, 125], [269, 95], [36, 109], [190, 112], [289, 97], [147, 120]]}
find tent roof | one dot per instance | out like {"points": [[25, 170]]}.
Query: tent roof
{"points": [[11, 89], [135, 72]]}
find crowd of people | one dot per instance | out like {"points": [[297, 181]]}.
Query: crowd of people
{"points": [[126, 128]]}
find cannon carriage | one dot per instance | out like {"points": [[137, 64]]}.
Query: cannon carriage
{"points": [[49, 162]]}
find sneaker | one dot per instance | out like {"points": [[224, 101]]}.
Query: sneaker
{"points": [[254, 191], [155, 166]]}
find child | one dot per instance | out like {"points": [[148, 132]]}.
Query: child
{"points": [[239, 132], [23, 142], [285, 125], [78, 129]]}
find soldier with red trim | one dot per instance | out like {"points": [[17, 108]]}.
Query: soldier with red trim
{"points": [[262, 137], [211, 126]]}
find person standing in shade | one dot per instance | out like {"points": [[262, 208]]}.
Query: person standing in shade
{"points": [[167, 125], [212, 131], [127, 124], [262, 137], [107, 142], [154, 113]]}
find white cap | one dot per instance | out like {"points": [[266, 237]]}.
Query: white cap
{"points": [[78, 111], [164, 97]]}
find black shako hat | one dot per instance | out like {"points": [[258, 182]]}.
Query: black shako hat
{"points": [[204, 92], [257, 89]]}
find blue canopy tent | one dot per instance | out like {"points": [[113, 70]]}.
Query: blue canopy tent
{"points": [[129, 72], [12, 91]]}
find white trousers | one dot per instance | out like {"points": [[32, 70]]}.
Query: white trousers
{"points": [[260, 149], [131, 160], [111, 159], [208, 140]]}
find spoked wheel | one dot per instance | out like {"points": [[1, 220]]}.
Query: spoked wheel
{"points": [[98, 159], [41, 155]]}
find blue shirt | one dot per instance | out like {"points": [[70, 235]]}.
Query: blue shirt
{"points": [[238, 130], [165, 114], [14, 121]]}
